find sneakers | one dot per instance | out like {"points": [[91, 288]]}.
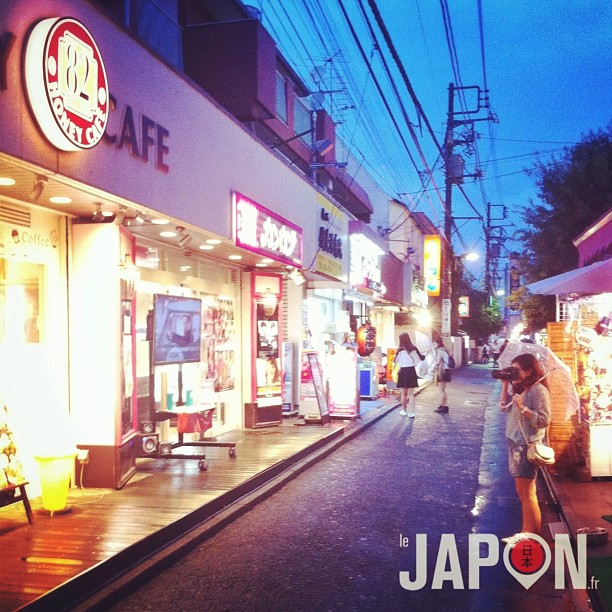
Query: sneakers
{"points": [[515, 539], [441, 410], [403, 413], [410, 415]]}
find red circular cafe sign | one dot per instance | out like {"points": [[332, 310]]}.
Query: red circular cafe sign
{"points": [[66, 84]]}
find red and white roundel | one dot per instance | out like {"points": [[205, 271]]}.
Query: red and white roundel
{"points": [[66, 84]]}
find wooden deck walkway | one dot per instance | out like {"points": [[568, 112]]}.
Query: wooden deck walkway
{"points": [[117, 528]]}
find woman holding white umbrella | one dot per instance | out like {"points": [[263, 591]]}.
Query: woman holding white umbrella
{"points": [[528, 408]]}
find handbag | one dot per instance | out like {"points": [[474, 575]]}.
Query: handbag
{"points": [[538, 453]]}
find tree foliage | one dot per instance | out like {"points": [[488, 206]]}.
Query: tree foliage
{"points": [[574, 192], [484, 319]]}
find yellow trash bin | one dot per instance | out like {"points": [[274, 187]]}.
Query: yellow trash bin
{"points": [[55, 472]]}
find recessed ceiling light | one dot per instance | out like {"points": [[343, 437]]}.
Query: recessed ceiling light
{"points": [[107, 213], [235, 257], [267, 260], [184, 268], [207, 247], [168, 234], [160, 221], [5, 181], [261, 265], [60, 200], [213, 241]]}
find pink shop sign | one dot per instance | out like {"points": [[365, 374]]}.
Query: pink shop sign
{"points": [[261, 231]]}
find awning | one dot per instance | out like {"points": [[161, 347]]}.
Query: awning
{"points": [[593, 279]]}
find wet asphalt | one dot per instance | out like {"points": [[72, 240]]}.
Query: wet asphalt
{"points": [[338, 536]]}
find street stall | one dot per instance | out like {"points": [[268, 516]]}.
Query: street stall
{"points": [[582, 338]]}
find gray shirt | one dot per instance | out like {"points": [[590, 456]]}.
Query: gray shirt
{"points": [[537, 399]]}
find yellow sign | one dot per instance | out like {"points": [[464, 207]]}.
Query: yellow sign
{"points": [[431, 266]]}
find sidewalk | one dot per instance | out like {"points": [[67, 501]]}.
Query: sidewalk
{"points": [[77, 561], [112, 537]]}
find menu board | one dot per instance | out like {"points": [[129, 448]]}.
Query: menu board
{"points": [[317, 380], [312, 389]]}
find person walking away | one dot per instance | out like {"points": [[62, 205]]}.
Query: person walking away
{"points": [[407, 354], [442, 374], [526, 401]]}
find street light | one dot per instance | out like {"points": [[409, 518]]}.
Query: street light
{"points": [[471, 256]]}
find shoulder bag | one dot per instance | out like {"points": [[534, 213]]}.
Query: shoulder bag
{"points": [[538, 453]]}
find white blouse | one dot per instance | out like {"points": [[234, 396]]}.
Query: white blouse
{"points": [[404, 359]]}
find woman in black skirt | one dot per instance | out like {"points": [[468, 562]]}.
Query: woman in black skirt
{"points": [[406, 356]]}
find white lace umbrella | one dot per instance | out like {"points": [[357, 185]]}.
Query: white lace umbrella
{"points": [[559, 376]]}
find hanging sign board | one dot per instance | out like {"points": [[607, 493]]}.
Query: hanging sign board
{"points": [[431, 266]]}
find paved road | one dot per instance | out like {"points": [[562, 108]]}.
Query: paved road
{"points": [[331, 539]]}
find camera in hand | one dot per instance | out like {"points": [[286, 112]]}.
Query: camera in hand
{"points": [[510, 373]]}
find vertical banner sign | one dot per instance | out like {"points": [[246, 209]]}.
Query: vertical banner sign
{"points": [[432, 262], [446, 317], [287, 377], [463, 308]]}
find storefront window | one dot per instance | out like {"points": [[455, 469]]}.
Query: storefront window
{"points": [[214, 379], [21, 319]]}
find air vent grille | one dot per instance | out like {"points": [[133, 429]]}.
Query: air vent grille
{"points": [[15, 215]]}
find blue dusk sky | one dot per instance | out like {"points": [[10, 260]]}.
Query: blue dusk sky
{"points": [[547, 68]]}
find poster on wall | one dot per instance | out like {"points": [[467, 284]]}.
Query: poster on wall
{"points": [[217, 344], [267, 362]]}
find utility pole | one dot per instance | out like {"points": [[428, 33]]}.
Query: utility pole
{"points": [[493, 246], [454, 166], [447, 251]]}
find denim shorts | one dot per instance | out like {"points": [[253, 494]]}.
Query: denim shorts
{"points": [[518, 464]]}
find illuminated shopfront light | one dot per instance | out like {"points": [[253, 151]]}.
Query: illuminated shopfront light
{"points": [[206, 247], [235, 257], [5, 181], [66, 83], [61, 200], [168, 234], [213, 241], [432, 263], [160, 221], [423, 318]]}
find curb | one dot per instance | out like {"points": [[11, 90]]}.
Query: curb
{"points": [[138, 570]]}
